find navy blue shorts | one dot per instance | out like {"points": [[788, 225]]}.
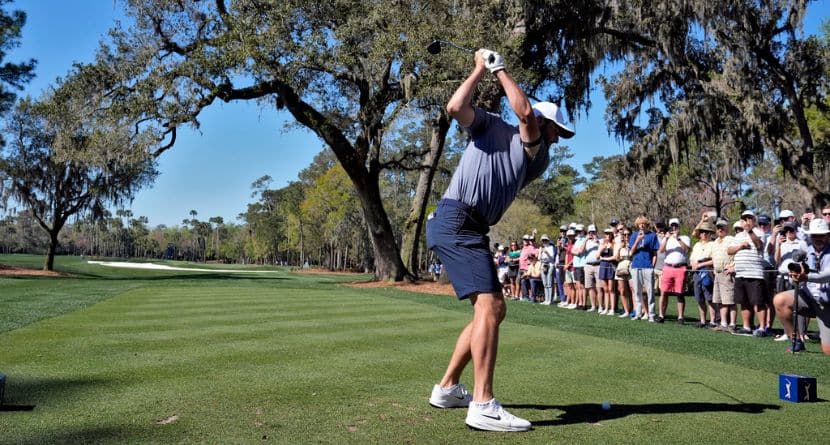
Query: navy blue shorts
{"points": [[606, 270], [459, 238]]}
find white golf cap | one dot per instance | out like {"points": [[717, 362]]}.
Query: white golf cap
{"points": [[818, 226], [674, 221], [545, 237], [580, 227], [570, 232], [738, 224], [552, 112], [786, 214], [592, 228], [572, 225], [527, 237], [748, 213]]}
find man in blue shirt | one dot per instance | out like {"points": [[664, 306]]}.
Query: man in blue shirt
{"points": [[643, 246], [498, 162]]}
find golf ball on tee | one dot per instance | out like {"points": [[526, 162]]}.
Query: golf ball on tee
{"points": [[606, 406]]}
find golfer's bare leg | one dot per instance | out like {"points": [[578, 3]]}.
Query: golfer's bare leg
{"points": [[460, 357], [488, 312]]}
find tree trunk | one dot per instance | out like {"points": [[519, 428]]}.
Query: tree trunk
{"points": [[388, 263], [415, 222], [50, 254]]}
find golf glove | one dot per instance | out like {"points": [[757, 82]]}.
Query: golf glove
{"points": [[493, 61]]}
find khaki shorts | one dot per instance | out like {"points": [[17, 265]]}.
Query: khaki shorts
{"points": [[591, 276], [723, 292]]}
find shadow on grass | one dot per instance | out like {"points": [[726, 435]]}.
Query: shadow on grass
{"points": [[104, 434], [24, 394], [593, 412]]}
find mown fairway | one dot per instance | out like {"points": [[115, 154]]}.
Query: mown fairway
{"points": [[135, 356]]}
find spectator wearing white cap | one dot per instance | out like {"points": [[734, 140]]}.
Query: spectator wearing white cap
{"points": [[561, 246], [502, 269], [591, 266], [547, 255], [676, 247], [813, 291], [750, 288], [788, 216], [528, 248], [579, 265], [786, 243], [723, 291]]}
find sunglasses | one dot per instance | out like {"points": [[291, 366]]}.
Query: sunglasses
{"points": [[825, 214]]}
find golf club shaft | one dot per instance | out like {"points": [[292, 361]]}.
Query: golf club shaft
{"points": [[447, 42]]}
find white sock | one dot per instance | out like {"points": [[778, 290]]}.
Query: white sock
{"points": [[484, 405]]}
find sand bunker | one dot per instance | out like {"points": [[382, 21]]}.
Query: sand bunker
{"points": [[152, 266]]}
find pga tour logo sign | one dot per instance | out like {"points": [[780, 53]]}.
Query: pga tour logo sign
{"points": [[796, 388]]}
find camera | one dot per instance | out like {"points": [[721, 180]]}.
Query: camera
{"points": [[799, 264]]}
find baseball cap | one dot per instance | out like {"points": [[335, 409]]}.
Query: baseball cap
{"points": [[786, 214], [570, 232], [818, 226], [580, 227], [748, 213], [790, 225], [572, 225], [608, 230], [545, 237], [722, 223], [738, 224], [526, 237], [563, 228], [592, 228], [614, 222], [763, 219], [551, 112], [674, 221]]}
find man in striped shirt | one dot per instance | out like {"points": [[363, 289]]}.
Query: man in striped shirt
{"points": [[750, 288]]}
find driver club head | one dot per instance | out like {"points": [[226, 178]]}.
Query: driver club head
{"points": [[434, 47]]}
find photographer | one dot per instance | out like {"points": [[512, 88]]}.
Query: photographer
{"points": [[812, 273]]}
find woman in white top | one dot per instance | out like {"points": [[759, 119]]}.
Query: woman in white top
{"points": [[676, 247]]}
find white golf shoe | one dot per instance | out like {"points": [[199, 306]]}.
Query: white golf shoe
{"points": [[490, 416], [455, 396]]}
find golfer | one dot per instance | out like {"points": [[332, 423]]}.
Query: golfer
{"points": [[498, 162]]}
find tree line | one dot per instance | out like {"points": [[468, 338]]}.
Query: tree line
{"points": [[737, 85]]}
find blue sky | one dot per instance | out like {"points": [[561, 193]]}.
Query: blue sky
{"points": [[211, 170]]}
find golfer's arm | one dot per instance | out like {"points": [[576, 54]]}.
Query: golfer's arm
{"points": [[528, 128], [460, 104]]}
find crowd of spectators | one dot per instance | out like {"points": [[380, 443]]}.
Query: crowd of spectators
{"points": [[729, 268]]}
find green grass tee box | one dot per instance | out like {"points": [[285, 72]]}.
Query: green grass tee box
{"points": [[177, 358]]}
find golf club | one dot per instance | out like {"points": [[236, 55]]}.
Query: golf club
{"points": [[435, 47]]}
